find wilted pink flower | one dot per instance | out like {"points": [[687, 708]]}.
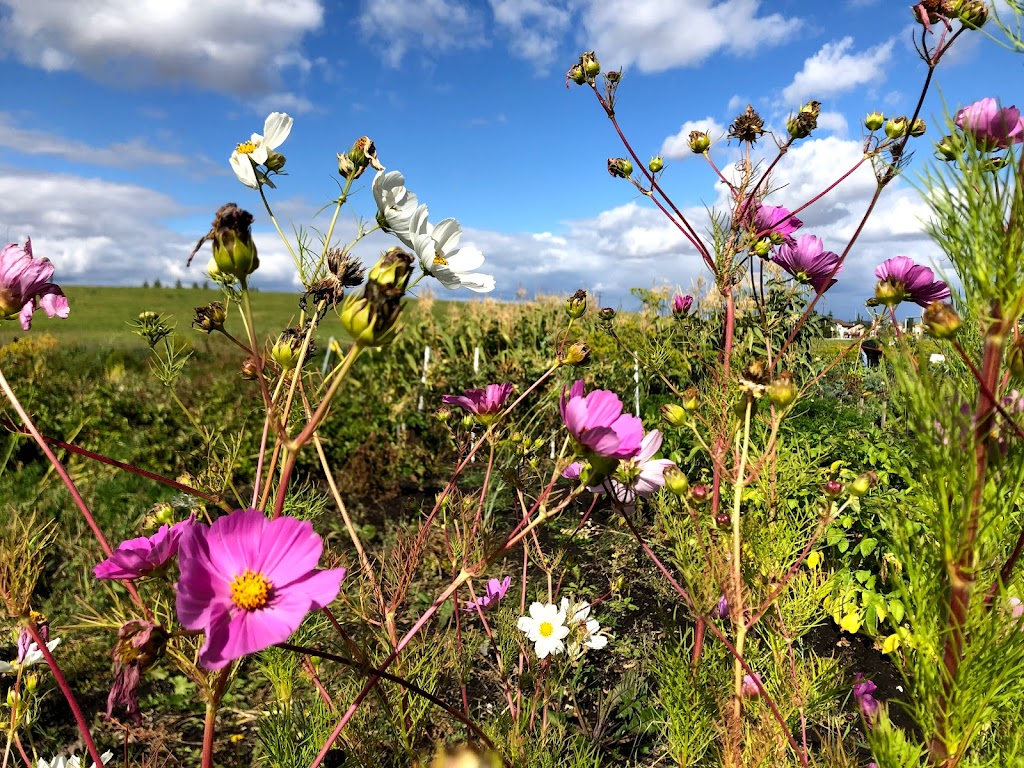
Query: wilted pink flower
{"points": [[863, 692], [482, 403], [248, 582], [750, 689], [808, 261], [139, 557], [139, 644], [775, 223], [495, 591], [23, 278], [989, 126], [597, 422], [900, 279], [681, 304]]}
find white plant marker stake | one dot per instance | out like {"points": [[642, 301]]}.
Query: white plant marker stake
{"points": [[476, 360], [331, 345], [423, 378], [636, 380]]}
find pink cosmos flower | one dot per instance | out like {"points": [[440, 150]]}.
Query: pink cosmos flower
{"points": [[721, 609], [750, 689], [639, 475], [23, 279], [482, 403], [248, 582], [991, 127], [807, 260], [681, 305], [900, 279], [495, 591], [775, 223], [139, 557], [598, 424]]}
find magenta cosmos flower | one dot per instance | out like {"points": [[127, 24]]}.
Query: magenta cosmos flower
{"points": [[864, 693], [482, 403], [639, 475], [681, 305], [775, 223], [23, 279], [900, 279], [495, 591], [807, 260], [139, 557], [989, 126], [248, 582], [598, 424]]}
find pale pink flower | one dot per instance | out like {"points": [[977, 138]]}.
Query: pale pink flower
{"points": [[23, 280], [495, 591], [991, 127]]}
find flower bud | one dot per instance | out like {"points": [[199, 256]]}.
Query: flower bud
{"points": [[699, 142], [832, 488], [782, 391], [993, 164], [972, 14], [681, 305], [620, 167], [874, 121], [606, 314], [656, 164], [250, 369], [275, 161], [286, 349], [863, 483], [691, 398], [613, 76], [578, 353], [1016, 359], [576, 304], [803, 122], [576, 74], [940, 320], [762, 247], [722, 519], [151, 327], [699, 493], [896, 127], [674, 414], [918, 127], [949, 148], [443, 414], [675, 481], [591, 66], [372, 319], [234, 251], [210, 318]]}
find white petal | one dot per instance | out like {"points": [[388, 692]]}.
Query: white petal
{"points": [[447, 234], [464, 259], [420, 225], [6, 668], [477, 281], [243, 169], [525, 623], [275, 130], [649, 446], [597, 642]]}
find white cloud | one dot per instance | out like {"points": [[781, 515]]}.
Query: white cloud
{"points": [[834, 69], [656, 35], [128, 154], [222, 45], [535, 28], [833, 121], [401, 26], [677, 146]]}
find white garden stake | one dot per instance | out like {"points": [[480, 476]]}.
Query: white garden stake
{"points": [[476, 360], [636, 380], [423, 378]]}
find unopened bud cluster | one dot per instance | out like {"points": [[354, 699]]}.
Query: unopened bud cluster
{"points": [[371, 319], [803, 122]]}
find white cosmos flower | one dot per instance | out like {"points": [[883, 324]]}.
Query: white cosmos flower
{"points": [[71, 762], [249, 154], [584, 630], [437, 248], [396, 204], [545, 627], [32, 656]]}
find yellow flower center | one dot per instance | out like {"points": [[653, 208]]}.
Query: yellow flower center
{"points": [[547, 629], [245, 148], [439, 259], [250, 590]]}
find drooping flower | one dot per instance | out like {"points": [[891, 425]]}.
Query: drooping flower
{"points": [[396, 205], [545, 627], [597, 423], [774, 222], [900, 279], [808, 262], [681, 305], [863, 692], [23, 279], [254, 152], [991, 127], [437, 248], [139, 644], [584, 632], [139, 557], [28, 651], [248, 582], [495, 591], [71, 762], [482, 403]]}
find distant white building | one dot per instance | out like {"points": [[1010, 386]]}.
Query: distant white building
{"points": [[844, 330]]}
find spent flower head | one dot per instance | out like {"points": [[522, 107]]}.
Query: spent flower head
{"points": [[25, 286]]}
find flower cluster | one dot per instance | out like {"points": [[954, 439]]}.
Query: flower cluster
{"points": [[554, 629]]}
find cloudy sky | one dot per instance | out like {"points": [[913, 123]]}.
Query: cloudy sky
{"points": [[118, 120]]}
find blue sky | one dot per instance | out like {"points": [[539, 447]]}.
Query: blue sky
{"points": [[119, 119]]}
